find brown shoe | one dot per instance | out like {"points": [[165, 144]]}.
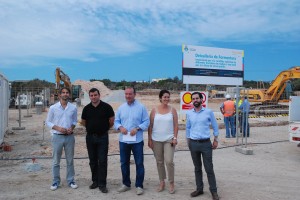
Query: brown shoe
{"points": [[215, 196], [196, 193]]}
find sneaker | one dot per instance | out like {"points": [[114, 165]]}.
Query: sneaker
{"points": [[54, 186], [139, 191], [124, 188], [73, 185]]}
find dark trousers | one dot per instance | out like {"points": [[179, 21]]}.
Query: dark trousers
{"points": [[204, 149], [138, 154], [97, 147], [245, 124]]}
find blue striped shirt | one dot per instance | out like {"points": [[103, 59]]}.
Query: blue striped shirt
{"points": [[198, 124], [130, 117]]}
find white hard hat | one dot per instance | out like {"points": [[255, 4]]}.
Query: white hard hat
{"points": [[228, 96]]}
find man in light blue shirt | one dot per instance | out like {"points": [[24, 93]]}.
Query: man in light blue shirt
{"points": [[132, 118], [198, 123], [62, 119], [245, 109]]}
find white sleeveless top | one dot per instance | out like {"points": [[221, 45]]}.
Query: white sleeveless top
{"points": [[163, 127]]}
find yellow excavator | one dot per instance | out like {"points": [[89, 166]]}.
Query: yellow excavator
{"points": [[274, 93], [268, 99], [61, 77]]}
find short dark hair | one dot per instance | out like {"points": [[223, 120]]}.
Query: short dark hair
{"points": [[162, 92], [131, 87], [200, 95], [94, 90], [64, 88]]}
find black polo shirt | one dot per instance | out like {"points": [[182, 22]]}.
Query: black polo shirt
{"points": [[97, 118]]}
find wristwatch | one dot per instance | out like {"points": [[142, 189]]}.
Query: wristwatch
{"points": [[174, 138], [138, 128], [216, 139]]}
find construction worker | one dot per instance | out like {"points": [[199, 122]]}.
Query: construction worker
{"points": [[228, 110], [239, 112], [245, 108]]}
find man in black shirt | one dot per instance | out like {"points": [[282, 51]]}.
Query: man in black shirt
{"points": [[97, 117]]}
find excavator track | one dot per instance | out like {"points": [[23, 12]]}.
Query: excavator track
{"points": [[260, 110]]}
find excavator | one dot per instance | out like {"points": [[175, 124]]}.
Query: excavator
{"points": [[267, 99], [60, 76]]}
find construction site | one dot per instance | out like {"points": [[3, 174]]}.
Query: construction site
{"points": [[264, 168]]}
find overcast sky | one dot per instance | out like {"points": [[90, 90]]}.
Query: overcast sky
{"points": [[141, 40]]}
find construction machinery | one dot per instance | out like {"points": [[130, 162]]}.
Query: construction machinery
{"points": [[61, 77], [279, 91]]}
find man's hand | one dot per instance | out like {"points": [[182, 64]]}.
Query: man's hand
{"points": [[214, 144], [62, 130], [69, 131], [123, 130], [133, 131]]}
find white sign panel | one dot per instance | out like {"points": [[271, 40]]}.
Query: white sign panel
{"points": [[208, 65]]}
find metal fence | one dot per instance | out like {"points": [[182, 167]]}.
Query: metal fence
{"points": [[4, 104]]}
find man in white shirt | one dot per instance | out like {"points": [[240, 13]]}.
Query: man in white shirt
{"points": [[62, 119]]}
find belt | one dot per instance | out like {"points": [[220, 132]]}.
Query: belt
{"points": [[202, 140], [63, 134], [96, 134]]}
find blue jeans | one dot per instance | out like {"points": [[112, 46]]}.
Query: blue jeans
{"points": [[245, 124], [204, 149], [97, 147], [60, 142], [138, 153], [230, 125]]}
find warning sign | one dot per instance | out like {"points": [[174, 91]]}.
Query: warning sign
{"points": [[186, 100]]}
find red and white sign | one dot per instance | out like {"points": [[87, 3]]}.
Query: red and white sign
{"points": [[186, 100]]}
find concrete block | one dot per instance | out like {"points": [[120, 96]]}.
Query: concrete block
{"points": [[243, 150]]}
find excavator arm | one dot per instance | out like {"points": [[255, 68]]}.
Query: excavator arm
{"points": [[279, 84], [60, 76], [274, 92]]}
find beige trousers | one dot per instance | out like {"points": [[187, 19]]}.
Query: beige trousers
{"points": [[164, 154]]}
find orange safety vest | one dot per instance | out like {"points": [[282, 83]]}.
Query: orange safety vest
{"points": [[228, 108]]}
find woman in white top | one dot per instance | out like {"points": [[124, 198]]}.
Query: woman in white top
{"points": [[162, 139]]}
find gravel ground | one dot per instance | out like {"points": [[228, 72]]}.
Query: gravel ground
{"points": [[270, 173]]}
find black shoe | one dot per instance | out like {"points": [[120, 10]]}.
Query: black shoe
{"points": [[93, 186], [215, 196], [196, 193], [103, 189]]}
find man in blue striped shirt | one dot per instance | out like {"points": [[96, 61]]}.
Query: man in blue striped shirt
{"points": [[132, 119], [198, 124]]}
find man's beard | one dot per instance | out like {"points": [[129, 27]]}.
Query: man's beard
{"points": [[197, 104]]}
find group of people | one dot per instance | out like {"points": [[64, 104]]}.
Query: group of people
{"points": [[131, 119], [228, 109]]}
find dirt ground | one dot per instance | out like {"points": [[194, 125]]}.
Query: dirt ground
{"points": [[272, 172]]}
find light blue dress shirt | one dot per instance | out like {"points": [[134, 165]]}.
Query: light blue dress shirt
{"points": [[198, 124], [63, 117], [130, 117], [245, 106]]}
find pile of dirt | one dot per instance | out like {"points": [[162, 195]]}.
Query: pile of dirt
{"points": [[87, 85]]}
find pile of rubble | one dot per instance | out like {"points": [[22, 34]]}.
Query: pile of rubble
{"points": [[87, 85]]}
